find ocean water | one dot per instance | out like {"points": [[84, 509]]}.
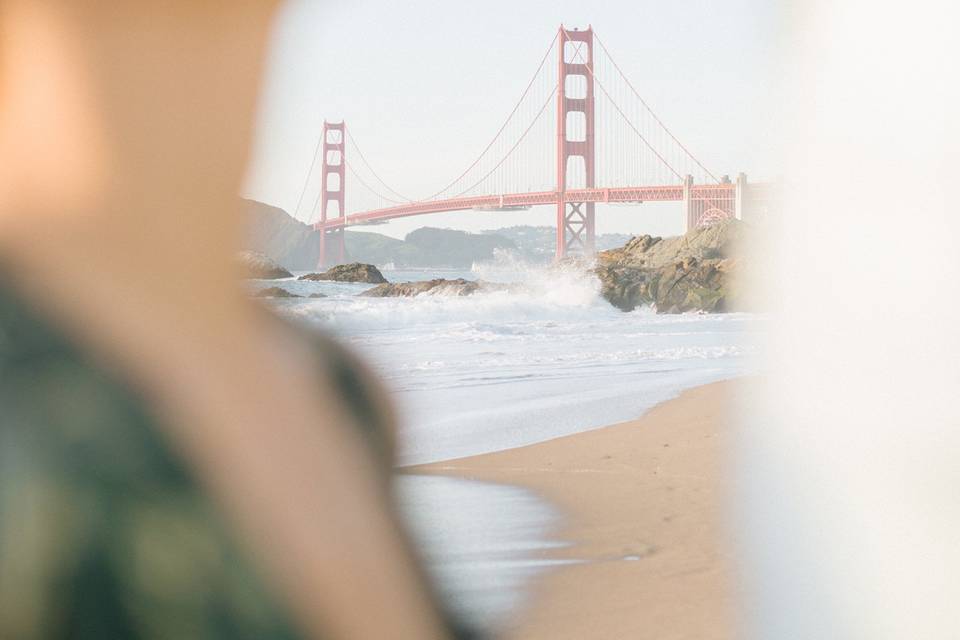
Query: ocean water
{"points": [[497, 370], [482, 542]]}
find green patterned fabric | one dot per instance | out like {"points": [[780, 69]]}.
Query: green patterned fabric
{"points": [[104, 534]]}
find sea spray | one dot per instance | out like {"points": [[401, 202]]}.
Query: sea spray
{"points": [[547, 358], [567, 283]]}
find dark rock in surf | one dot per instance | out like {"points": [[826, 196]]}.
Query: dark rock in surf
{"points": [[439, 286], [354, 272], [276, 292]]}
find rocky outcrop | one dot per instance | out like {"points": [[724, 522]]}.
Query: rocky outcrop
{"points": [[718, 241], [439, 286], [694, 272], [275, 292], [280, 292], [686, 285], [354, 272], [261, 267]]}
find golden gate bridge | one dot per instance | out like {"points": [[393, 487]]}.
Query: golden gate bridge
{"points": [[600, 143]]}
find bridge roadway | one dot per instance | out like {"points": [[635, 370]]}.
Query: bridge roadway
{"points": [[708, 194]]}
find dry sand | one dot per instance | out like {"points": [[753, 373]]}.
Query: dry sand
{"points": [[642, 504]]}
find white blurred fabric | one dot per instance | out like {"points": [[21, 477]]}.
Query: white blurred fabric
{"points": [[848, 504]]}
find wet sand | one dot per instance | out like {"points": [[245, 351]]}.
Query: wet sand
{"points": [[641, 502]]}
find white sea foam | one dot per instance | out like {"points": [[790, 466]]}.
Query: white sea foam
{"points": [[501, 369]]}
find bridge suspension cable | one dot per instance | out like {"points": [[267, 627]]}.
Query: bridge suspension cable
{"points": [[646, 106], [363, 158], [373, 191], [513, 148], [306, 181], [629, 123], [502, 128]]}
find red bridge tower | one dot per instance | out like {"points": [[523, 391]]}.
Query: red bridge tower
{"points": [[575, 139], [332, 190]]}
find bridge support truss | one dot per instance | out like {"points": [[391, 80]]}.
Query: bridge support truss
{"points": [[332, 187], [576, 230]]}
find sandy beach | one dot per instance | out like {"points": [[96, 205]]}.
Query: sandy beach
{"points": [[641, 504]]}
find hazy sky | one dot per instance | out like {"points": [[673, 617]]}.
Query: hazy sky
{"points": [[423, 85]]}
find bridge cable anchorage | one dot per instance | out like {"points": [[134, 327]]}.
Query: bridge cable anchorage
{"points": [[356, 175], [496, 136], [306, 182], [651, 111], [514, 147], [363, 158]]}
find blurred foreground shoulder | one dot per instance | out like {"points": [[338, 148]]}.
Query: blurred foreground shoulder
{"points": [[104, 532]]}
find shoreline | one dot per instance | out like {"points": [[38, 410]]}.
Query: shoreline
{"points": [[641, 514]]}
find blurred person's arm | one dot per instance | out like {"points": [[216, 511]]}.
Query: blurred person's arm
{"points": [[124, 132]]}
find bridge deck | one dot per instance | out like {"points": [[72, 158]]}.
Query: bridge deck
{"points": [[709, 192]]}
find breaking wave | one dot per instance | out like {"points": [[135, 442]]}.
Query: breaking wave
{"points": [[506, 368]]}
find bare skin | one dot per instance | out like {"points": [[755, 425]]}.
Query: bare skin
{"points": [[124, 132]]}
